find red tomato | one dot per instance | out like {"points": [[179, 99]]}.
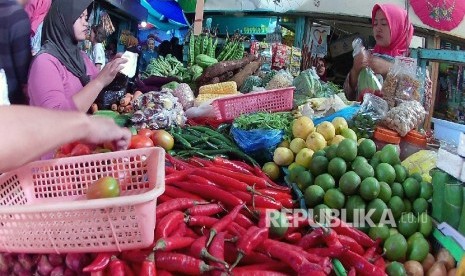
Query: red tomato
{"points": [[67, 148], [139, 141], [162, 138], [145, 132], [109, 146], [81, 149]]}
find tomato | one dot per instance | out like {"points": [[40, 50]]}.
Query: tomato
{"points": [[67, 148], [81, 149], [162, 138], [105, 187], [145, 132], [139, 141], [109, 146]]}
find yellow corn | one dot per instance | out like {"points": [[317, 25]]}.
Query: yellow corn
{"points": [[229, 87]]}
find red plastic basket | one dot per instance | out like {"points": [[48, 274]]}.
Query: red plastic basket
{"points": [[227, 109], [43, 207]]}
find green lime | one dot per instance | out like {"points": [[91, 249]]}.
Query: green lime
{"points": [[393, 231], [420, 205], [314, 195], [407, 205], [349, 183], [425, 224], [359, 160], [375, 161], [347, 149], [417, 177], [337, 167], [426, 190], [334, 199], [304, 180], [367, 148], [385, 173], [396, 269], [408, 224], [396, 204], [369, 188], [390, 154], [320, 211], [354, 206], [364, 170], [379, 206], [414, 236], [380, 231], [395, 247], [401, 173], [319, 153], [349, 134], [331, 152], [418, 250], [319, 165], [385, 192], [278, 223], [411, 188], [397, 190], [325, 181], [295, 172]]}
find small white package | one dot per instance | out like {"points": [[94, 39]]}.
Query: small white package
{"points": [[461, 149], [131, 65], [450, 162], [3, 89]]}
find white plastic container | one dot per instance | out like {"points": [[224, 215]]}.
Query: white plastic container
{"points": [[447, 131], [450, 162]]}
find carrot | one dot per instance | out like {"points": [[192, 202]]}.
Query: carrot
{"points": [[93, 108], [121, 109], [125, 101]]}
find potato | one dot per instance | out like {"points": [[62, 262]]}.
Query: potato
{"points": [[413, 268], [428, 262], [438, 269], [444, 256]]}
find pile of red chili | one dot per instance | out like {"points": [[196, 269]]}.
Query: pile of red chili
{"points": [[211, 219]]}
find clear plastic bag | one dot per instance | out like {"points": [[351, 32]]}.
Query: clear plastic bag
{"points": [[374, 106], [405, 117], [367, 80], [307, 83]]}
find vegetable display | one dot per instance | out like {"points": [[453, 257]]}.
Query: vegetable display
{"points": [[233, 48], [167, 66], [266, 120]]}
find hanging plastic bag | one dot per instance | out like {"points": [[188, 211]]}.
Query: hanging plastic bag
{"points": [[367, 80]]}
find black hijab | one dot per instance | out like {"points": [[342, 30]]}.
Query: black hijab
{"points": [[58, 37]]}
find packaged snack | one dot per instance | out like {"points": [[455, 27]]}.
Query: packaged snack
{"points": [[295, 61], [405, 117], [281, 55]]}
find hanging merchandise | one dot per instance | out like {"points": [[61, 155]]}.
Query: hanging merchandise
{"points": [[280, 6], [319, 40], [444, 15], [106, 23]]}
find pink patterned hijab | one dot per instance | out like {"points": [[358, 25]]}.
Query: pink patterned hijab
{"points": [[400, 26], [37, 10]]}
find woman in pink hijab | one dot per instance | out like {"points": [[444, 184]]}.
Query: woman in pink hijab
{"points": [[37, 10], [393, 33]]}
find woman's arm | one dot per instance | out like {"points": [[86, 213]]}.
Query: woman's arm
{"points": [[380, 66], [30, 132]]}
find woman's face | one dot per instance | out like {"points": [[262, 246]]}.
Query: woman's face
{"points": [[320, 68], [151, 44], [381, 29], [81, 27]]}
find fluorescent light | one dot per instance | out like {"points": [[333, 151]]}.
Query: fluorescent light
{"points": [[143, 24]]}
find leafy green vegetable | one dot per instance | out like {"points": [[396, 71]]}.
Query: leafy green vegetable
{"points": [[266, 120]]}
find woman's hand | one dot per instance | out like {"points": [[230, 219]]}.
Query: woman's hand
{"points": [[101, 130], [362, 60], [379, 65], [108, 73]]}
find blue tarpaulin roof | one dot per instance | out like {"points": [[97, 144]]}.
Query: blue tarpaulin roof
{"points": [[162, 13]]}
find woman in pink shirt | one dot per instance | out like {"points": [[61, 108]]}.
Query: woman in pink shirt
{"points": [[61, 75]]}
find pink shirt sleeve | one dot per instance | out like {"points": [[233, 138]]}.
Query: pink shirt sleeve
{"points": [[48, 84]]}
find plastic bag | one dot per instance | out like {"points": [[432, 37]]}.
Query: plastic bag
{"points": [[374, 106], [403, 82], [258, 142], [204, 110], [185, 95], [307, 83], [346, 113], [367, 80], [406, 116], [282, 79]]}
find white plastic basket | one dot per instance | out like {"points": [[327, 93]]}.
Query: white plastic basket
{"points": [[43, 206]]}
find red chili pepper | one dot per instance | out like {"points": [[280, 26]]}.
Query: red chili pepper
{"points": [[380, 263], [199, 250], [257, 272], [243, 221], [216, 249], [177, 204], [286, 202], [180, 231], [351, 244], [97, 273], [211, 192], [217, 174], [135, 256], [223, 223], [352, 272], [202, 221], [243, 165], [236, 229], [313, 258], [161, 272], [168, 224], [173, 243], [136, 267], [248, 242], [293, 258], [363, 267], [201, 180], [116, 267], [332, 252], [226, 182], [275, 194], [227, 164], [170, 170], [205, 210], [127, 270], [270, 183], [148, 266], [331, 238], [177, 163], [177, 176], [199, 162], [178, 193], [258, 201], [99, 263], [271, 266], [293, 237], [175, 262], [370, 253], [163, 198], [190, 233], [343, 228]]}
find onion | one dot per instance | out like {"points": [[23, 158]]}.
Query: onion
{"points": [[413, 268], [58, 271], [26, 261], [428, 262], [444, 256], [452, 272], [76, 261], [3, 264], [69, 272], [55, 259], [438, 269], [44, 267], [19, 270]]}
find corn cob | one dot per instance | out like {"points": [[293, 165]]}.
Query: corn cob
{"points": [[229, 87]]}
